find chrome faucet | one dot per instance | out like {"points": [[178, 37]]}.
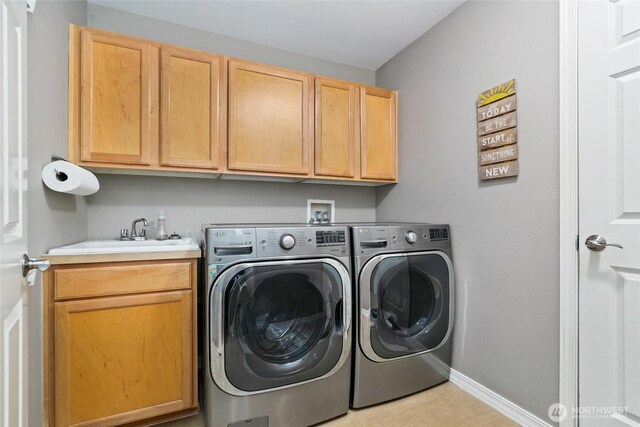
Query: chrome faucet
{"points": [[141, 234]]}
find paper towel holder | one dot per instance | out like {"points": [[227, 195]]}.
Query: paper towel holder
{"points": [[60, 176], [66, 177]]}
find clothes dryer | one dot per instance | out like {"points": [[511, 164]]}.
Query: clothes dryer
{"points": [[404, 288]]}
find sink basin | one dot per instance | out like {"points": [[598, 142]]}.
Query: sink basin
{"points": [[123, 246]]}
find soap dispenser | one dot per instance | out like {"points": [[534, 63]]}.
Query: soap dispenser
{"points": [[161, 227]]}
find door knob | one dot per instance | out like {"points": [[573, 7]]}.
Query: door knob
{"points": [[29, 264], [597, 243]]}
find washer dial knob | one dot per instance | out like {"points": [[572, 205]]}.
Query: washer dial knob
{"points": [[411, 237], [287, 241]]}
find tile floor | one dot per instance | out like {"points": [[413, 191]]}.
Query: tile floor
{"points": [[444, 405]]}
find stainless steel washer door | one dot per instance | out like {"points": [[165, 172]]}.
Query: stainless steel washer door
{"points": [[276, 324], [406, 304]]}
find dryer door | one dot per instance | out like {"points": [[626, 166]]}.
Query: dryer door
{"points": [[406, 304], [279, 323]]}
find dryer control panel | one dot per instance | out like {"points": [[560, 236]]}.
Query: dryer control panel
{"points": [[374, 238]]}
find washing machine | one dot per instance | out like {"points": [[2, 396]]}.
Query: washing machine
{"points": [[278, 328], [403, 276]]}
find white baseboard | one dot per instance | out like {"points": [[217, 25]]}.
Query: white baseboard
{"points": [[497, 402]]}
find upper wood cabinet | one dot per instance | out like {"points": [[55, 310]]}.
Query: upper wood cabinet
{"points": [[148, 106], [192, 118], [269, 119], [337, 128], [379, 139], [115, 99], [140, 104]]}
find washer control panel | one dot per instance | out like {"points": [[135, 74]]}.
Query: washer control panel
{"points": [[302, 240], [331, 238], [225, 244]]}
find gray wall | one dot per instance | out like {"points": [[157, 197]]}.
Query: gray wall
{"points": [[54, 219], [142, 26], [505, 232], [190, 202]]}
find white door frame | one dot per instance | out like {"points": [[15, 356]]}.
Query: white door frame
{"points": [[568, 232]]}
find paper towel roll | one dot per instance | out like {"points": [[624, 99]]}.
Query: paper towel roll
{"points": [[66, 177]]}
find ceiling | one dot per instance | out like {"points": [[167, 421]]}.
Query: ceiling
{"points": [[360, 33]]}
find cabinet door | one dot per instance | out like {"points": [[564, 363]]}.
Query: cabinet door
{"points": [[378, 128], [269, 121], [123, 359], [192, 119], [337, 128], [115, 101]]}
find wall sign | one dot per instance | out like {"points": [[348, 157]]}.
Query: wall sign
{"points": [[497, 132], [497, 155]]}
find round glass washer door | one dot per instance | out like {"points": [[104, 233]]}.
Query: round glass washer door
{"points": [[284, 319], [406, 304], [406, 298], [282, 323]]}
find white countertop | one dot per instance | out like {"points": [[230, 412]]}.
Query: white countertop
{"points": [[96, 247]]}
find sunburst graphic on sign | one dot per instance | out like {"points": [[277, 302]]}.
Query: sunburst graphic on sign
{"points": [[497, 93]]}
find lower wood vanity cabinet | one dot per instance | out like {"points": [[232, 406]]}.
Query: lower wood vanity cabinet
{"points": [[120, 342]]}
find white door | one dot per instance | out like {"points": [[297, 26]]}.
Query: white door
{"points": [[609, 181], [13, 212]]}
